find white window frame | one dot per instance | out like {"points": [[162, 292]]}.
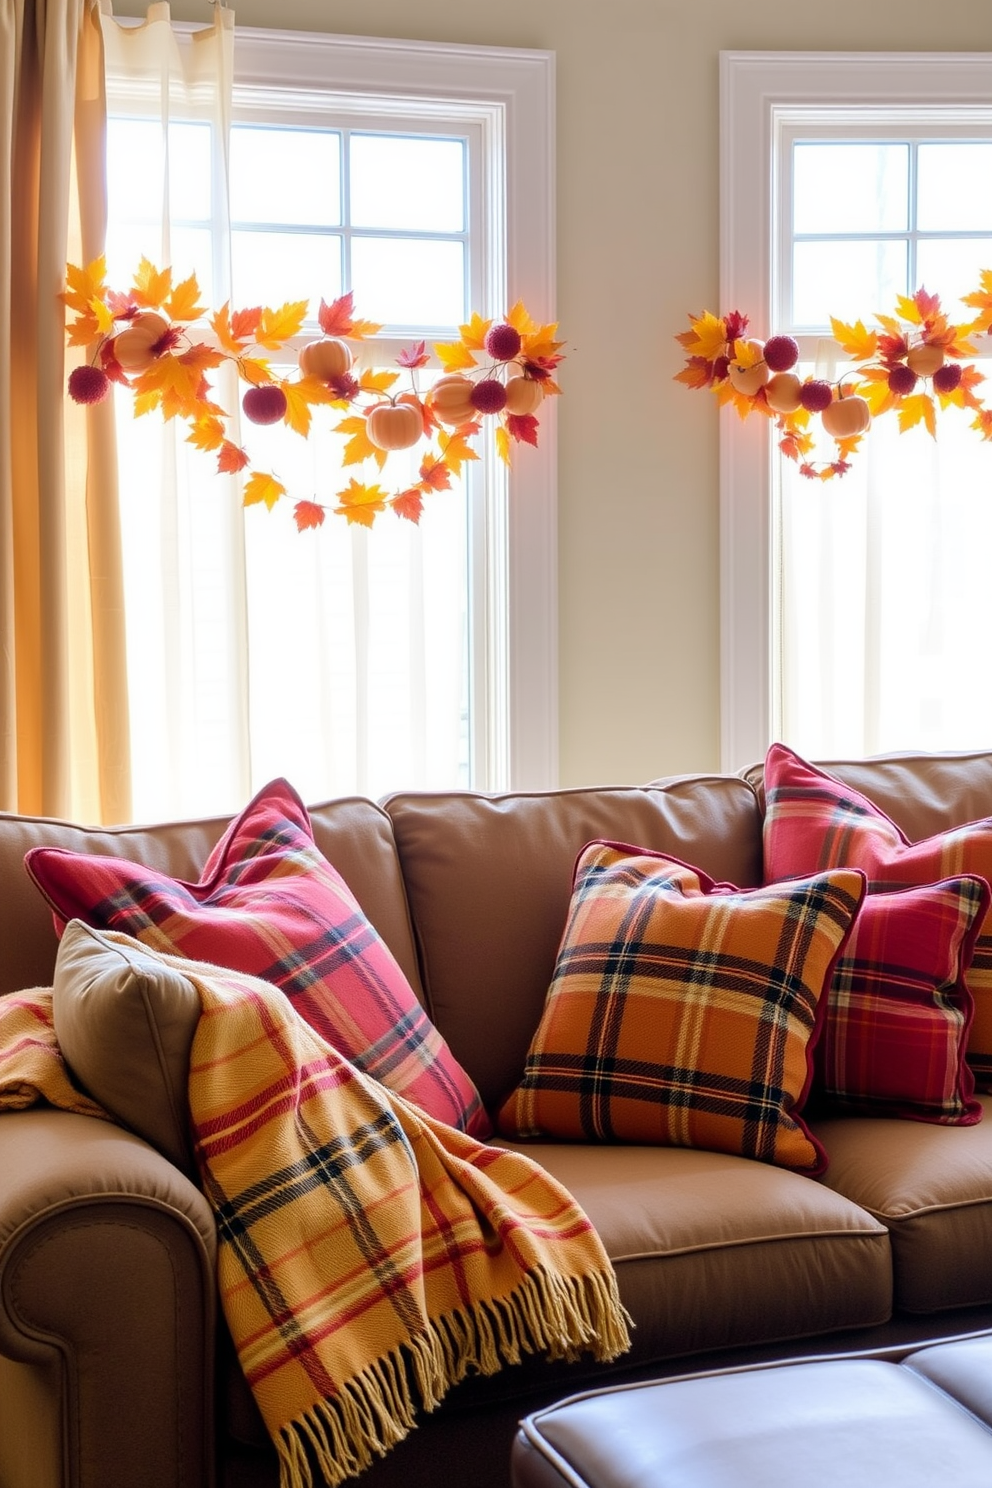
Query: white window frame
{"points": [[758, 90], [510, 94]]}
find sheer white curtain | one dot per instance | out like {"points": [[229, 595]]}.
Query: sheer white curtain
{"points": [[884, 596], [335, 658], [181, 522]]}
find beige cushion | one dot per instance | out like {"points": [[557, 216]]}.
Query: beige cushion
{"points": [[125, 1023], [929, 1185], [712, 1250], [489, 878]]}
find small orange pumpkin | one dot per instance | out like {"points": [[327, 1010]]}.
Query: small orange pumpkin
{"points": [[451, 399], [523, 395], [747, 380], [783, 392], [326, 359], [846, 417], [925, 359], [133, 345], [394, 426]]}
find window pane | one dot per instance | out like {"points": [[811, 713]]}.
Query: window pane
{"points": [[858, 188], [286, 176], [414, 185], [952, 267], [848, 280], [953, 193], [270, 268], [135, 164], [406, 281]]}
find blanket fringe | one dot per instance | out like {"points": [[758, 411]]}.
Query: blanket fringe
{"points": [[560, 1316]]}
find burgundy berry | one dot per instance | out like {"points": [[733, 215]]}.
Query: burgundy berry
{"points": [[781, 353]]}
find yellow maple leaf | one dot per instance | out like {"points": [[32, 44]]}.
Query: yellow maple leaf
{"points": [[707, 338], [183, 303], [454, 356], [521, 321], [376, 382], [262, 488], [276, 327], [206, 433], [359, 503], [857, 340], [359, 446], [474, 333], [981, 300], [255, 370], [917, 408], [152, 286], [362, 328], [503, 443], [983, 423], [315, 390], [297, 415], [455, 450], [176, 384], [747, 352], [908, 309], [84, 285]]}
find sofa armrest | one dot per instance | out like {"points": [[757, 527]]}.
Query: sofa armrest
{"points": [[107, 1310]]}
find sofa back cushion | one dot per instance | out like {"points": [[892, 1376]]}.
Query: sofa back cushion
{"points": [[922, 793], [352, 833], [489, 880]]}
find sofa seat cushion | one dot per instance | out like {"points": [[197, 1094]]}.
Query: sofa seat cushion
{"points": [[929, 1185], [713, 1250]]}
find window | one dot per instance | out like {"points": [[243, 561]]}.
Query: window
{"points": [[346, 659], [848, 607]]}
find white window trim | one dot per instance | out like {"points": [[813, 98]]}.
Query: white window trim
{"points": [[514, 93], [755, 89]]}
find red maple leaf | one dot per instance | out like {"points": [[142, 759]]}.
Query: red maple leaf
{"points": [[435, 474], [736, 324], [408, 504], [523, 427], [337, 318], [308, 514], [417, 356], [230, 458]]}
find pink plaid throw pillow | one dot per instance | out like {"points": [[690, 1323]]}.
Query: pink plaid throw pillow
{"points": [[898, 1010], [268, 903], [813, 822]]}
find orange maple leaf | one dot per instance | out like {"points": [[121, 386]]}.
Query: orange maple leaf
{"points": [[360, 503], [152, 286], [408, 504], [455, 448], [206, 433], [183, 303], [231, 459], [235, 331], [473, 335], [983, 423], [435, 473], [377, 382], [297, 414], [276, 327], [307, 515]]}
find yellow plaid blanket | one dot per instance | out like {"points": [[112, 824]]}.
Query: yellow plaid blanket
{"points": [[369, 1256]]}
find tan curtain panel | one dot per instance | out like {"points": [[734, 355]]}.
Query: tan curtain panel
{"points": [[65, 747]]}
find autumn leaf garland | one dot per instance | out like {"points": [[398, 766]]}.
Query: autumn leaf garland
{"points": [[914, 364], [146, 340]]}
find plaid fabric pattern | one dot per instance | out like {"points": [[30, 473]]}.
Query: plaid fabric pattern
{"points": [[682, 1011], [898, 1011], [31, 1065], [369, 1256], [268, 903], [813, 821]]}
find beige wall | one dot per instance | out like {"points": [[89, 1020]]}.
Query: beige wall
{"points": [[637, 249]]}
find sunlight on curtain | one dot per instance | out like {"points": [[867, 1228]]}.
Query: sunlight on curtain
{"points": [[885, 594]]}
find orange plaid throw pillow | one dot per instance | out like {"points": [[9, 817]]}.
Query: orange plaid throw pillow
{"points": [[684, 1012]]}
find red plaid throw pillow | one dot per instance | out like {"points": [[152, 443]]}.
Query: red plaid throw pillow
{"points": [[898, 1010], [813, 822], [268, 903], [683, 1012]]}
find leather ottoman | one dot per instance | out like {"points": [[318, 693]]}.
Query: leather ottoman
{"points": [[821, 1423]]}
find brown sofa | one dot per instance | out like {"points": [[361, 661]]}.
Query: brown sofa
{"points": [[114, 1369]]}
